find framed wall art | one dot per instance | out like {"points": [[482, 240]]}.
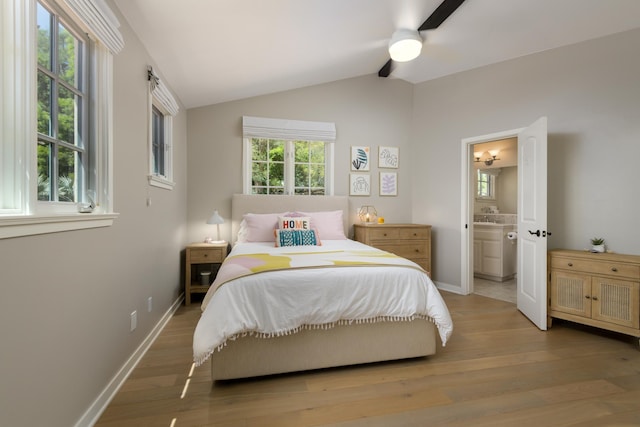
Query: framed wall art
{"points": [[359, 184], [388, 184], [360, 158], [388, 157]]}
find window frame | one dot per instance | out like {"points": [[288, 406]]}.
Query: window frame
{"points": [[162, 102], [85, 144], [20, 212], [491, 185], [289, 165]]}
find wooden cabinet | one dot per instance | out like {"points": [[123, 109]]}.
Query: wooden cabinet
{"points": [[199, 258], [601, 290], [411, 241]]}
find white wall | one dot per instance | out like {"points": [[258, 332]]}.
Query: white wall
{"points": [[367, 111], [66, 298], [590, 93]]}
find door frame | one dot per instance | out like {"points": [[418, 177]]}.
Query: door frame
{"points": [[466, 248]]}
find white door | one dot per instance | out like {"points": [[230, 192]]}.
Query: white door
{"points": [[532, 223]]}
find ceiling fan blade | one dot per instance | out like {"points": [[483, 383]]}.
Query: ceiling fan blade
{"points": [[386, 69], [442, 12]]}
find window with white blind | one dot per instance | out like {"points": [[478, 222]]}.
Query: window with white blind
{"points": [[287, 156], [55, 140], [162, 108]]}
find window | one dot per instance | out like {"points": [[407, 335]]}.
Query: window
{"points": [[162, 108], [55, 135], [158, 146], [288, 156], [486, 181], [63, 142], [289, 167]]}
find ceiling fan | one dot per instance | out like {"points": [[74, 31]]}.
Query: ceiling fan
{"points": [[442, 12]]}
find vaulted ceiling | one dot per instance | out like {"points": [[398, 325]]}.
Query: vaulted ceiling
{"points": [[212, 51]]}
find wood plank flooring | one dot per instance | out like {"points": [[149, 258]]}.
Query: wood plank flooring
{"points": [[497, 370]]}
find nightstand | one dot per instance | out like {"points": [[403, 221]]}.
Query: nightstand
{"points": [[201, 257], [411, 241]]}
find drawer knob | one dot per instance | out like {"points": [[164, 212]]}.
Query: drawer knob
{"points": [[206, 255], [417, 250], [614, 269], [587, 296], [570, 264], [384, 234], [595, 298]]}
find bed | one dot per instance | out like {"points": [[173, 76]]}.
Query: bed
{"points": [[344, 303]]}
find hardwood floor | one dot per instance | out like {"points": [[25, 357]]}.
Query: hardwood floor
{"points": [[497, 370]]}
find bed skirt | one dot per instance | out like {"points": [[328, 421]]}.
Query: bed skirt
{"points": [[324, 348]]}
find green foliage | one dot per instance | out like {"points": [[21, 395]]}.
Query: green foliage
{"points": [[58, 123], [596, 241]]}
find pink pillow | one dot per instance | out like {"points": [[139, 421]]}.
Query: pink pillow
{"points": [[330, 224], [259, 227]]}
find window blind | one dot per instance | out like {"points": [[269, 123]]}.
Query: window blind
{"points": [[100, 20], [161, 93], [292, 130]]}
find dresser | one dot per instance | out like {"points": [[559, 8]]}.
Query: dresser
{"points": [[595, 289], [411, 241]]}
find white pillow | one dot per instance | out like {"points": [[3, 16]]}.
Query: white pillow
{"points": [[330, 224]]}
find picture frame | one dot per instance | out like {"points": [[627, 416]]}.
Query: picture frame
{"points": [[360, 158], [359, 184], [388, 184], [388, 157]]}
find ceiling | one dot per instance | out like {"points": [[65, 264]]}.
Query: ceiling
{"points": [[212, 51]]}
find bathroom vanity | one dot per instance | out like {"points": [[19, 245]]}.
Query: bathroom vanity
{"points": [[494, 254]]}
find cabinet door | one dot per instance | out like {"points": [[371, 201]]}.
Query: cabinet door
{"points": [[492, 257], [615, 301], [570, 293], [477, 256]]}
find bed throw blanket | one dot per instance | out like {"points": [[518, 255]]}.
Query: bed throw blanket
{"points": [[268, 292]]}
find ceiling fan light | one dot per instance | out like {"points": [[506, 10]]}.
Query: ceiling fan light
{"points": [[405, 45]]}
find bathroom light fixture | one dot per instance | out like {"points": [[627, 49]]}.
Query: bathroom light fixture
{"points": [[489, 160], [405, 45], [368, 214], [217, 220]]}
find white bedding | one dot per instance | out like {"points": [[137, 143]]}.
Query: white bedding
{"points": [[283, 302]]}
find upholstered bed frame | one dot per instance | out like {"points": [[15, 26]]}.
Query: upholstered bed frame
{"points": [[319, 348]]}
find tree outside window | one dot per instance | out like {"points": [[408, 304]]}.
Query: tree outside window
{"points": [[61, 112], [285, 167]]}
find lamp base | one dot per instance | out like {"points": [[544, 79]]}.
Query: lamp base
{"points": [[210, 240]]}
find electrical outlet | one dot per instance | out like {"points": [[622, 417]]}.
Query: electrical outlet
{"points": [[149, 304], [134, 320]]}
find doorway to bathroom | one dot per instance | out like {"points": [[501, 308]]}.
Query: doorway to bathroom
{"points": [[531, 228], [494, 194]]}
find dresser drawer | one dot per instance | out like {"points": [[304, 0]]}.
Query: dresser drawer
{"points": [[204, 255], [383, 233], [421, 233], [608, 268], [410, 249]]}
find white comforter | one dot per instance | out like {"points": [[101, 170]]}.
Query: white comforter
{"points": [[282, 302]]}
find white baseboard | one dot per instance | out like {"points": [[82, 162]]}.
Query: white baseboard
{"points": [[449, 288], [92, 414]]}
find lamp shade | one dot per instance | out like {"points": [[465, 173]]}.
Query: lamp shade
{"points": [[405, 45], [215, 218]]}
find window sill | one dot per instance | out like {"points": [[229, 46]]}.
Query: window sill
{"points": [[32, 225], [157, 181]]}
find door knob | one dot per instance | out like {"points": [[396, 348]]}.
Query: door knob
{"points": [[536, 233]]}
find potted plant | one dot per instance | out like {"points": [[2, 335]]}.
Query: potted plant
{"points": [[597, 244]]}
